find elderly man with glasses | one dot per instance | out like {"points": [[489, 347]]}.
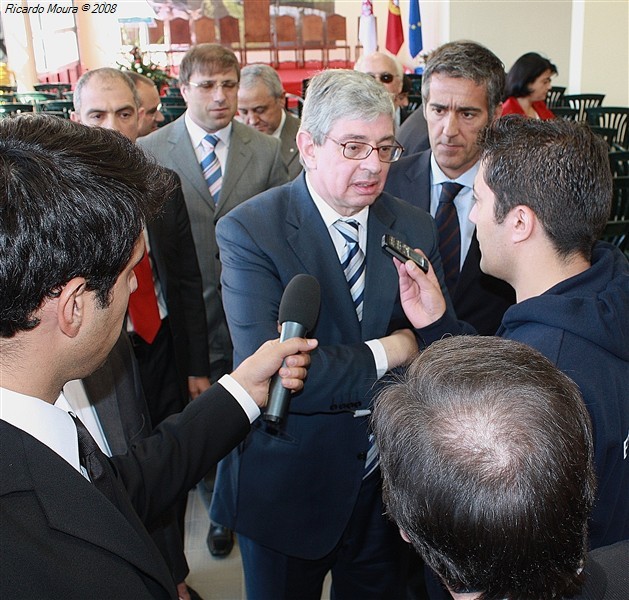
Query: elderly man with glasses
{"points": [[305, 496]]}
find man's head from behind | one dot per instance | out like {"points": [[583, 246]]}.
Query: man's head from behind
{"points": [[261, 98], [559, 169], [108, 98], [73, 201], [208, 77], [462, 88], [150, 102], [486, 452], [346, 139]]}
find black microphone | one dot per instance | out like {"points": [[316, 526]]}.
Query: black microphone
{"points": [[299, 309]]}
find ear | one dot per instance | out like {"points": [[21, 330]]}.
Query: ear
{"points": [[307, 149], [71, 306], [404, 536], [523, 222], [75, 116]]}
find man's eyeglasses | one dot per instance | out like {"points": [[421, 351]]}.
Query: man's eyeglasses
{"points": [[387, 153], [383, 77], [210, 85]]}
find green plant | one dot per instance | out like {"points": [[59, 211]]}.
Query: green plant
{"points": [[140, 63]]}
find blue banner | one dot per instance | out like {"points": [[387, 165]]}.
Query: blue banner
{"points": [[414, 29]]}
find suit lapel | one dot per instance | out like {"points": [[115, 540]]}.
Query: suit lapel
{"points": [[239, 156], [310, 241], [185, 160], [381, 280], [70, 502], [101, 392], [418, 176]]}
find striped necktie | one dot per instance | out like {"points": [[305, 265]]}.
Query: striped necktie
{"points": [[449, 233], [211, 166], [353, 263]]}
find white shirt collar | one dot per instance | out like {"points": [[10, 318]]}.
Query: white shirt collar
{"points": [[278, 132], [329, 215], [197, 133], [439, 177], [48, 423]]}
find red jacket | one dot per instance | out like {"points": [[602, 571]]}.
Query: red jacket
{"points": [[511, 106]]}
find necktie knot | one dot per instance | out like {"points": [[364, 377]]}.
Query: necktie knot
{"points": [[348, 229], [449, 191], [211, 139]]}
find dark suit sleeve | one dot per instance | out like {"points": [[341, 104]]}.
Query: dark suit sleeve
{"points": [[252, 290], [184, 293], [182, 449]]}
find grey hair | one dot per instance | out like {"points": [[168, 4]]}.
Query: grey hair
{"points": [[252, 74], [342, 94], [104, 73]]}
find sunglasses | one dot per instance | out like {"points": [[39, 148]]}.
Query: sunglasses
{"points": [[383, 77]]}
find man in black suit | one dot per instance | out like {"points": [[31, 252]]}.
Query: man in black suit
{"points": [[175, 364], [462, 87], [110, 402], [261, 105], [74, 201]]}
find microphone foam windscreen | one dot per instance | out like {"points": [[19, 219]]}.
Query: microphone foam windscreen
{"points": [[301, 301]]}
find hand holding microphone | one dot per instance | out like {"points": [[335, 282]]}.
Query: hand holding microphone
{"points": [[299, 309]]}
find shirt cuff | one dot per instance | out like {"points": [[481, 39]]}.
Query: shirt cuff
{"points": [[241, 396], [379, 357]]}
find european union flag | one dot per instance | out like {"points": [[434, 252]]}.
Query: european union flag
{"points": [[414, 29]]}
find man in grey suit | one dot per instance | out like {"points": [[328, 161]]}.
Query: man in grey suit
{"points": [[221, 164], [261, 105], [250, 163]]}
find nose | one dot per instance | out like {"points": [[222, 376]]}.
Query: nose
{"points": [[372, 162], [219, 94], [451, 124], [251, 118], [159, 117]]}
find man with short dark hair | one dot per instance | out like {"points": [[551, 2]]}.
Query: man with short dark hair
{"points": [[542, 198], [261, 105], [221, 163], [462, 90], [73, 201], [486, 453]]}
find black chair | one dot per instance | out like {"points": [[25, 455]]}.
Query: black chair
{"points": [[612, 117], [606, 133], [171, 113], [416, 83], [172, 101], [293, 104], [554, 97], [564, 112], [34, 97], [53, 88], [583, 101], [620, 199], [61, 107], [15, 108], [619, 163], [6, 97], [172, 91], [8, 89], [414, 102], [617, 233]]}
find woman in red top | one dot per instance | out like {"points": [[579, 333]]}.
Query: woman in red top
{"points": [[527, 84]]}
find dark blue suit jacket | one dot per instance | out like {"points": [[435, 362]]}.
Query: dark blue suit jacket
{"points": [[295, 491], [479, 299]]}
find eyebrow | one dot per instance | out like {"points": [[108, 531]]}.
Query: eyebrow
{"points": [[363, 138], [117, 110], [473, 109]]}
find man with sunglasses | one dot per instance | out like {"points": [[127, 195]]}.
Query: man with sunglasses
{"points": [[389, 72], [305, 496]]}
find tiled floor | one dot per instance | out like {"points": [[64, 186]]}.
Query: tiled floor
{"points": [[213, 578]]}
